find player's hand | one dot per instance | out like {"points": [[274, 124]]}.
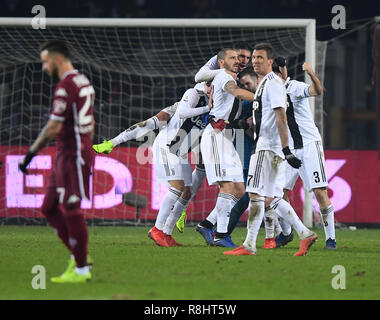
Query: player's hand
{"points": [[25, 162], [219, 125], [104, 147], [291, 158], [307, 68]]}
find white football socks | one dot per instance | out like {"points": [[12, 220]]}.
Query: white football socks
{"points": [[174, 215], [166, 207], [138, 130], [269, 216], [255, 218], [198, 176], [286, 212], [327, 215]]}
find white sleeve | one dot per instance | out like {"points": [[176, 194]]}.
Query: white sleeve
{"points": [[186, 107], [276, 94], [227, 79], [171, 109], [208, 71], [299, 89]]}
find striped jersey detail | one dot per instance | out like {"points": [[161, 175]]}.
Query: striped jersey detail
{"points": [[79, 159], [321, 161], [259, 164]]}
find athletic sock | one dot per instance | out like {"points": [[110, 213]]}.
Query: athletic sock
{"points": [[285, 226], [82, 271], [57, 221], [166, 206], [237, 211], [198, 176], [285, 211], [269, 215], [206, 224], [78, 236], [136, 131], [277, 226], [327, 215], [224, 204], [255, 218], [174, 215]]}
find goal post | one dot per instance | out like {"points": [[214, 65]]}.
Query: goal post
{"points": [[144, 64]]}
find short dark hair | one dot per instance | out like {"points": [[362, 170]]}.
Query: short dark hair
{"points": [[222, 53], [56, 46], [267, 47], [247, 71], [241, 45], [277, 63]]}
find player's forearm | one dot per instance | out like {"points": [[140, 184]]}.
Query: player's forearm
{"points": [[206, 74], [185, 112], [282, 126], [243, 94], [47, 134], [316, 87]]}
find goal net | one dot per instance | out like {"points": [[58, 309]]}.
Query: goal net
{"points": [[137, 67]]}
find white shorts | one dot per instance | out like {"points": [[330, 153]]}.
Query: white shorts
{"points": [[266, 174], [312, 171], [221, 161], [168, 166]]}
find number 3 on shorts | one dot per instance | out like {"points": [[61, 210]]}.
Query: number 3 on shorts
{"points": [[316, 176]]}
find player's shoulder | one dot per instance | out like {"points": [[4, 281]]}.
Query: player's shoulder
{"points": [[74, 78], [291, 83], [189, 94], [273, 78], [222, 77], [273, 82]]}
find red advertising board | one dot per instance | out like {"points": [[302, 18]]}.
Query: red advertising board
{"points": [[353, 179]]}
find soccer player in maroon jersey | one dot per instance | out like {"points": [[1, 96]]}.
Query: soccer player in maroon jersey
{"points": [[71, 123]]}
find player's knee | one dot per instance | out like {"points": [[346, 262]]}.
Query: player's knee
{"points": [[49, 206], [239, 190], [321, 195], [48, 209]]}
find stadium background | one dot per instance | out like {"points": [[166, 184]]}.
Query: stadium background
{"points": [[351, 119]]}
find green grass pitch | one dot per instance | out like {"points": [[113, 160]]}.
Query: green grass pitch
{"points": [[128, 265]]}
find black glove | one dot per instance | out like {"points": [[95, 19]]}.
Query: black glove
{"points": [[291, 158], [25, 162]]}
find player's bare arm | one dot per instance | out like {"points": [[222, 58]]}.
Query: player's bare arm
{"points": [[232, 87], [316, 88], [48, 133], [282, 126]]}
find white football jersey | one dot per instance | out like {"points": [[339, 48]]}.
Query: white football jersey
{"points": [[300, 119], [194, 103], [208, 71], [269, 95], [222, 100]]}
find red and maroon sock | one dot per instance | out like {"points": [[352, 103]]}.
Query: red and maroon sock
{"points": [[78, 236]]}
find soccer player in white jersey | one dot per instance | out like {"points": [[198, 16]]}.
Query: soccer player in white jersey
{"points": [[267, 168], [170, 156], [306, 144], [222, 162]]}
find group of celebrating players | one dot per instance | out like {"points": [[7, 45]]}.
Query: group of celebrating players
{"points": [[243, 100]]}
